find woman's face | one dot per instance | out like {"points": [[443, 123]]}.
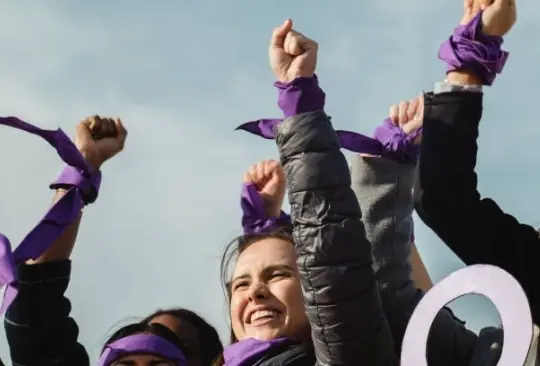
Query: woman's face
{"points": [[142, 360], [266, 297], [187, 334]]}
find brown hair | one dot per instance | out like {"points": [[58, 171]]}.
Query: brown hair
{"points": [[230, 255]]}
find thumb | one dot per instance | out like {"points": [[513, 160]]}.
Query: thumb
{"points": [[84, 131], [278, 36]]}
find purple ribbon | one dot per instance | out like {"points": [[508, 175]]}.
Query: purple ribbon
{"points": [[248, 351], [469, 48], [254, 217], [83, 186], [388, 141], [142, 344]]}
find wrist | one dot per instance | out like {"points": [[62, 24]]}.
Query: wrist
{"points": [[302, 95], [463, 77], [92, 159]]}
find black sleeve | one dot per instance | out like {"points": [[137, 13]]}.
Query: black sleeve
{"points": [[38, 327], [447, 199], [334, 257]]}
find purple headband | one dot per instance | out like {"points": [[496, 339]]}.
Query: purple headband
{"points": [[388, 141], [145, 344], [84, 185], [254, 217], [468, 47]]}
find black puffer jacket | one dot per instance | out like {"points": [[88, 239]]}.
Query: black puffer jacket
{"points": [[334, 257]]}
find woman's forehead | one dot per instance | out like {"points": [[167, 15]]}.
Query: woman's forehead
{"points": [[263, 253]]}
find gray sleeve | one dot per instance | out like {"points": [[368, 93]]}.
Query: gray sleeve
{"points": [[384, 192]]}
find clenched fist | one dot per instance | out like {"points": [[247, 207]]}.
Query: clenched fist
{"points": [[498, 18], [99, 139], [268, 178], [409, 116], [292, 55]]}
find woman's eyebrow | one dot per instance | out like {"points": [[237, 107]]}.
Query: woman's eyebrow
{"points": [[239, 277], [279, 267]]}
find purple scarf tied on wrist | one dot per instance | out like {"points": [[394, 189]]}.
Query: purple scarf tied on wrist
{"points": [[389, 140], [469, 48], [142, 344], [254, 217], [83, 186]]}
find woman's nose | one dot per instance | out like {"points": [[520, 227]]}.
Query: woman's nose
{"points": [[258, 292]]}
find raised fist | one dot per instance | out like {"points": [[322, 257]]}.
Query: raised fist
{"points": [[292, 55], [498, 18], [269, 179], [99, 139], [409, 115]]}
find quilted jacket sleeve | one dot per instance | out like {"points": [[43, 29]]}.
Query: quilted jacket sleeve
{"points": [[334, 257]]}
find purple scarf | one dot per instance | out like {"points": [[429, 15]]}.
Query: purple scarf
{"points": [[249, 351], [469, 48], [254, 217], [84, 186], [142, 344], [389, 140]]}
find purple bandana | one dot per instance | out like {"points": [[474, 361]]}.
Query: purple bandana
{"points": [[254, 218], [469, 48], [83, 187], [142, 344], [248, 351], [389, 140]]}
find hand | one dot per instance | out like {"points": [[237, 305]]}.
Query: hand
{"points": [[292, 55], [99, 139], [409, 116], [269, 179], [498, 18]]}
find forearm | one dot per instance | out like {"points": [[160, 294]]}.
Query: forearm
{"points": [[420, 275], [63, 247], [384, 191]]}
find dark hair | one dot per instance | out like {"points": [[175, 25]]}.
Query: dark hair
{"points": [[208, 336], [139, 328], [235, 248]]}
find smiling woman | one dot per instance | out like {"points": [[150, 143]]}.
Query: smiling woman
{"points": [[264, 293]]}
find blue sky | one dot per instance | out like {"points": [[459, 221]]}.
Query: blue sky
{"points": [[182, 76]]}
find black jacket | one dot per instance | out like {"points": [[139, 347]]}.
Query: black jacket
{"points": [[448, 201], [334, 257], [38, 327]]}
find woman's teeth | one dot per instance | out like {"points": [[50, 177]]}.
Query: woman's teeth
{"points": [[263, 314]]}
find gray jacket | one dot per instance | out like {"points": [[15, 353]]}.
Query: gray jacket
{"points": [[384, 191]]}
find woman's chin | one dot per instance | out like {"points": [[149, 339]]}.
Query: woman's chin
{"points": [[267, 334]]}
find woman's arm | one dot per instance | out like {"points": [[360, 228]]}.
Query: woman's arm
{"points": [[448, 201], [383, 188], [342, 301], [38, 325], [334, 256], [420, 275]]}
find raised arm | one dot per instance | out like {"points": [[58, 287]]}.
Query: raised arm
{"points": [[39, 328], [334, 256], [447, 200], [383, 187]]}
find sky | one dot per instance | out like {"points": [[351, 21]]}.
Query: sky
{"points": [[182, 75]]}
